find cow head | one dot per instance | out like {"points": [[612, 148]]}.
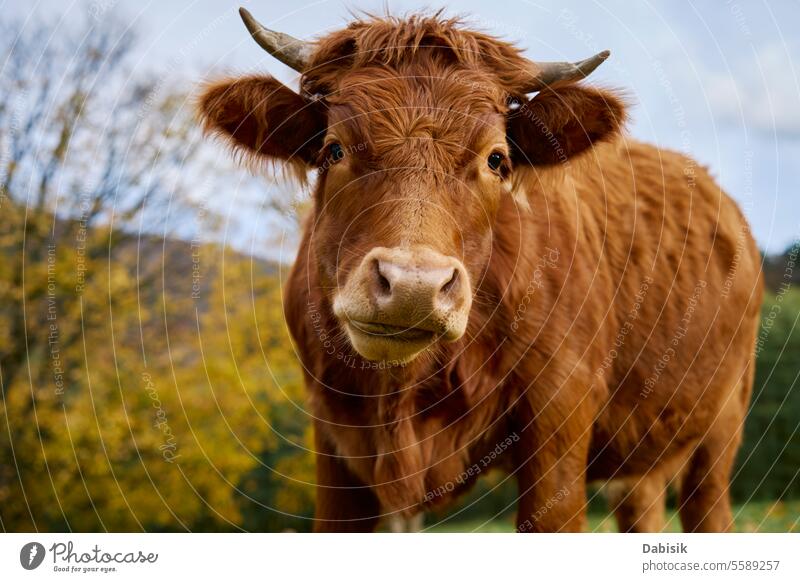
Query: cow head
{"points": [[415, 129]]}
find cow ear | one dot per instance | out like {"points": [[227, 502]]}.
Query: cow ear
{"points": [[259, 116], [557, 124]]}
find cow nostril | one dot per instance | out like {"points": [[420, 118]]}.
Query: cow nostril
{"points": [[451, 283], [384, 287], [384, 284]]}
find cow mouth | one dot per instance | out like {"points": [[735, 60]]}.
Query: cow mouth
{"points": [[399, 333], [385, 342]]}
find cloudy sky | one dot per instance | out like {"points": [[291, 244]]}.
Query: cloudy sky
{"points": [[716, 79]]}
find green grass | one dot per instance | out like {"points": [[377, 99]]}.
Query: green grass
{"points": [[758, 516]]}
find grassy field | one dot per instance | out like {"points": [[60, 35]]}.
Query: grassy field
{"points": [[765, 516]]}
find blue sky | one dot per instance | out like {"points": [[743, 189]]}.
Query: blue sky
{"points": [[715, 79]]}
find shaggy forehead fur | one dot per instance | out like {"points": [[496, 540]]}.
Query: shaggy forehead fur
{"points": [[396, 43], [422, 87], [430, 112]]}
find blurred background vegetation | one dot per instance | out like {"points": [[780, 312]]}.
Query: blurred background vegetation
{"points": [[148, 381]]}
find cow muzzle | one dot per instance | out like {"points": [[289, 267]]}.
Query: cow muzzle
{"points": [[400, 301]]}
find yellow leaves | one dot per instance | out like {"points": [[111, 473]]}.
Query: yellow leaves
{"points": [[169, 402], [298, 475]]}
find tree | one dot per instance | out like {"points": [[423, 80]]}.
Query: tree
{"points": [[124, 405], [769, 460]]}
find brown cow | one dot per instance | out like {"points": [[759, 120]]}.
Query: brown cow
{"points": [[488, 279]]}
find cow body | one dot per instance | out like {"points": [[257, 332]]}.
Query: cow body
{"points": [[488, 280], [615, 342]]}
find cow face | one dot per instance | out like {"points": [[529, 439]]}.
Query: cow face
{"points": [[413, 159], [412, 179]]}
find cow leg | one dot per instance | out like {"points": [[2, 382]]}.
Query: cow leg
{"points": [[705, 501], [639, 503], [551, 469], [705, 504], [344, 503]]}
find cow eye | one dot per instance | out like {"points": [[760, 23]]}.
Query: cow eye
{"points": [[336, 152], [495, 160]]}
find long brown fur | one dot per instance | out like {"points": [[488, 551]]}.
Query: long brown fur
{"points": [[612, 329]]}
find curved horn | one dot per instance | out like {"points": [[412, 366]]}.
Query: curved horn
{"points": [[554, 74], [287, 49]]}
